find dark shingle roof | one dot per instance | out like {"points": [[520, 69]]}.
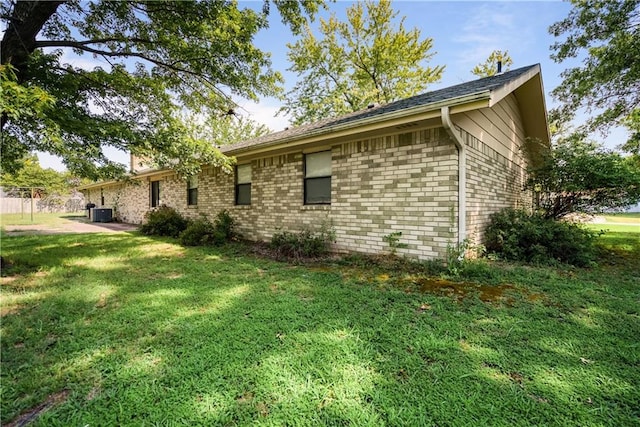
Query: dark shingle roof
{"points": [[448, 93]]}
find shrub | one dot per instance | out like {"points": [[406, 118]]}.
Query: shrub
{"points": [[225, 225], [164, 221], [203, 232], [519, 236], [305, 244]]}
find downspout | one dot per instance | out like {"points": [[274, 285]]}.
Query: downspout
{"points": [[462, 173]]}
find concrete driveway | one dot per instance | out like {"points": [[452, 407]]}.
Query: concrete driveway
{"points": [[70, 225]]}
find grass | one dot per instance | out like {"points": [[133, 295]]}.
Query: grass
{"points": [[121, 329], [48, 219], [628, 217]]}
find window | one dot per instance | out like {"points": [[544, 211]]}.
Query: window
{"points": [[243, 184], [317, 178], [192, 191], [101, 197], [155, 193]]}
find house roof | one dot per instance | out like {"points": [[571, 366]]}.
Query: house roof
{"points": [[525, 83], [488, 88]]}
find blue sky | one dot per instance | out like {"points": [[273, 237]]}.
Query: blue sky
{"points": [[464, 33]]}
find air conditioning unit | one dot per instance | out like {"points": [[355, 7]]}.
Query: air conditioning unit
{"points": [[102, 214]]}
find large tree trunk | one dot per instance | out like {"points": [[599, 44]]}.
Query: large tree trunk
{"points": [[25, 22], [19, 41]]}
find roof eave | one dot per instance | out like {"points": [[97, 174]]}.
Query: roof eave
{"points": [[146, 174], [460, 104]]}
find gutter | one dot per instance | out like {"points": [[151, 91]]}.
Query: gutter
{"points": [[402, 113], [462, 173]]}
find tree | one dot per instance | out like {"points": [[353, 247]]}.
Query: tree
{"points": [[367, 59], [607, 83], [577, 176], [31, 174], [226, 130], [160, 59], [490, 67]]}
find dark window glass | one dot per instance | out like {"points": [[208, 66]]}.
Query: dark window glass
{"points": [[192, 191], [317, 178], [192, 196], [243, 184], [243, 194], [155, 193], [317, 190]]}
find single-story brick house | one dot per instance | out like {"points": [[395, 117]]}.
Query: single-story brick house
{"points": [[433, 166]]}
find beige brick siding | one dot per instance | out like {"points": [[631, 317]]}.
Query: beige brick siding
{"points": [[380, 185], [496, 166]]}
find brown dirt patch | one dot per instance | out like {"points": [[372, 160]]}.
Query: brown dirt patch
{"points": [[29, 416], [76, 225]]}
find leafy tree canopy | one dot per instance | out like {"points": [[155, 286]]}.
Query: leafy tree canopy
{"points": [[577, 176], [607, 83], [490, 67], [227, 130], [31, 174], [161, 59], [370, 58]]}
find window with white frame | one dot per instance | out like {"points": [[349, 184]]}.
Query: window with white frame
{"points": [[317, 178], [243, 184], [192, 191]]}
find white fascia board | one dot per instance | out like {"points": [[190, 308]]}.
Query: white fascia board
{"points": [[405, 115]]}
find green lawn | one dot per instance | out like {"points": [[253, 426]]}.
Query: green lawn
{"points": [[120, 329], [48, 219]]}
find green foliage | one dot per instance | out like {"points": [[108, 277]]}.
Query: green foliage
{"points": [[226, 130], [202, 232], [164, 221], [519, 236], [234, 339], [607, 83], [304, 244], [490, 66], [367, 59], [18, 101], [31, 174], [225, 224], [455, 256], [393, 240], [159, 60], [577, 176], [632, 122]]}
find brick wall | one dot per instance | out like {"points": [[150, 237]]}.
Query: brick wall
{"points": [[494, 182], [405, 182]]}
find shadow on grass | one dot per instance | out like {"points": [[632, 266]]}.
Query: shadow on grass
{"points": [[144, 331]]}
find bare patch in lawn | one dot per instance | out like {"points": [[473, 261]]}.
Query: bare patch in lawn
{"points": [[8, 310], [30, 415], [486, 293]]}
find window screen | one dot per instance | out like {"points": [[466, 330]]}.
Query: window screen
{"points": [[192, 191], [317, 178], [243, 184]]}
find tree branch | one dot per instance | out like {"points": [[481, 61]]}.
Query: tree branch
{"points": [[80, 44]]}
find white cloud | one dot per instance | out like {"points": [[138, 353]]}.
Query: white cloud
{"points": [[265, 112], [488, 27]]}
